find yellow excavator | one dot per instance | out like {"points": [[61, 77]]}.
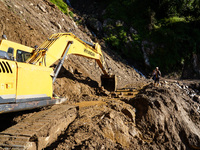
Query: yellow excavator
{"points": [[26, 75]]}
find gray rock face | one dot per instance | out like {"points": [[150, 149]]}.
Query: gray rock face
{"points": [[95, 24]]}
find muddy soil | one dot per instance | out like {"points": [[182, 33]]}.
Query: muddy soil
{"points": [[165, 117], [168, 116]]}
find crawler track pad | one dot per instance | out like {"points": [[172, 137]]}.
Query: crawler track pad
{"points": [[39, 130]]}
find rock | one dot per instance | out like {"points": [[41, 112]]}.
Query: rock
{"points": [[107, 22], [132, 131], [75, 26], [78, 141], [119, 23], [57, 25], [76, 71], [130, 113], [132, 30], [95, 24], [196, 98], [41, 7], [71, 70], [112, 114]]}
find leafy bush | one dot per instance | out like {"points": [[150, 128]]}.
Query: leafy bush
{"points": [[61, 5], [115, 42], [71, 14]]}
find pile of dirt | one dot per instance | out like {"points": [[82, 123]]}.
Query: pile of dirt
{"points": [[165, 117], [102, 124], [168, 116]]}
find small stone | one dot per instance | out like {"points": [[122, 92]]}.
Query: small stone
{"points": [[41, 7]]}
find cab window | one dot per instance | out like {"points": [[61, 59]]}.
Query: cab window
{"points": [[22, 56], [10, 52]]}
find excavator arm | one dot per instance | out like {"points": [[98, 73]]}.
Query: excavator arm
{"points": [[59, 45]]}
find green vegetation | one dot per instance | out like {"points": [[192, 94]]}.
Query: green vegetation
{"points": [[119, 41], [169, 29], [61, 5], [172, 26], [71, 14]]}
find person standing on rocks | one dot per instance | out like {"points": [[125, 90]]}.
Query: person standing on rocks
{"points": [[156, 76]]}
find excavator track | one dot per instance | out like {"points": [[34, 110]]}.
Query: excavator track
{"points": [[38, 130], [126, 92]]}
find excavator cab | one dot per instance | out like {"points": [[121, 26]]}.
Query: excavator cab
{"points": [[109, 82]]}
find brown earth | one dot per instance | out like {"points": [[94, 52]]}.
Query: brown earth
{"points": [[165, 117]]}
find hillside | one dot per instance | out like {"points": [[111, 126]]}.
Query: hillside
{"points": [[165, 117], [162, 33]]}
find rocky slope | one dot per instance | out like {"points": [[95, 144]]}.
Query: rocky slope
{"points": [[165, 117]]}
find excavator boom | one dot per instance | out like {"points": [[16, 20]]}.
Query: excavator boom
{"points": [[59, 45]]}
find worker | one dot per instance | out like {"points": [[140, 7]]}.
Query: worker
{"points": [[156, 76]]}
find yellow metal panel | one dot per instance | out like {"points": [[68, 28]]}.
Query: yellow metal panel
{"points": [[7, 78], [80, 49], [33, 81], [56, 50], [57, 46]]}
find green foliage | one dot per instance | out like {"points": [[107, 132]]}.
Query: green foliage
{"points": [[118, 39], [178, 41], [115, 42], [173, 27], [71, 14], [79, 22], [174, 19], [61, 5], [136, 53]]}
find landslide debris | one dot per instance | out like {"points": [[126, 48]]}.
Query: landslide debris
{"points": [[165, 117], [101, 125], [168, 116]]}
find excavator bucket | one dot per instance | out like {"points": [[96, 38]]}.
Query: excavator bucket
{"points": [[109, 82]]}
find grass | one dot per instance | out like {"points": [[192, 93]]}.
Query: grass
{"points": [[61, 5]]}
